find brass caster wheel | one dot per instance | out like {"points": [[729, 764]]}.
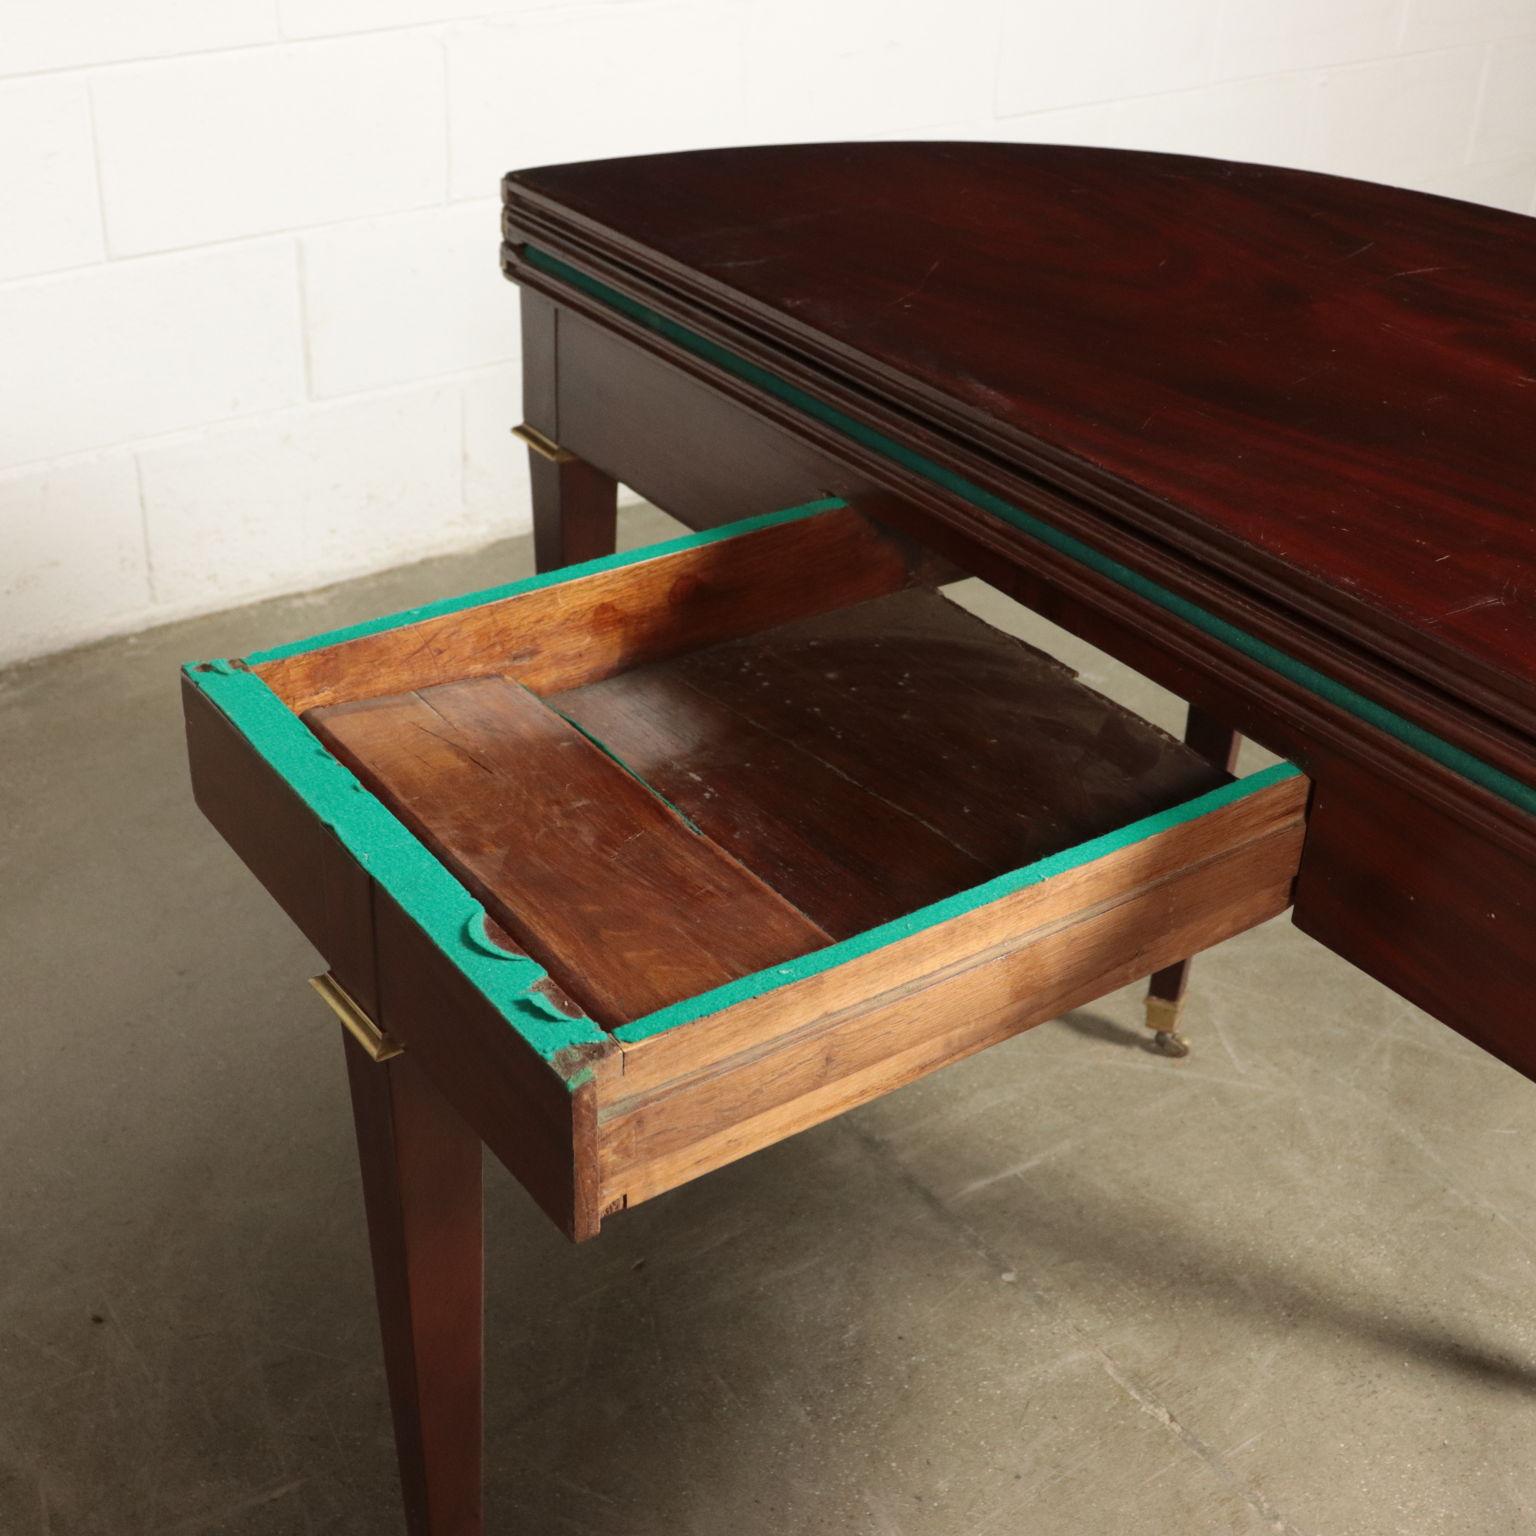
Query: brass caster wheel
{"points": [[1163, 1021]]}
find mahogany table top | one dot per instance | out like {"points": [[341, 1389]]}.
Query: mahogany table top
{"points": [[1322, 390]]}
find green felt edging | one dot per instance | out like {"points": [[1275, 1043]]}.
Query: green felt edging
{"points": [[1443, 752], [393, 855], [543, 579], [773, 977], [451, 917], [435, 900], [424, 888]]}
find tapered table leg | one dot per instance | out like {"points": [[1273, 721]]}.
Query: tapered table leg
{"points": [[422, 1190], [1216, 743], [575, 507]]}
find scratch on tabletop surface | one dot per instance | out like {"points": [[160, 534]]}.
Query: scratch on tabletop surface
{"points": [[1494, 600], [911, 293]]}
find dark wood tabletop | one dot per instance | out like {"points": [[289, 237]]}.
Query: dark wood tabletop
{"points": [[1322, 389], [1267, 436]]}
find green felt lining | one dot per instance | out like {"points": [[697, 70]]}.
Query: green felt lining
{"points": [[819, 960], [1434, 747]]}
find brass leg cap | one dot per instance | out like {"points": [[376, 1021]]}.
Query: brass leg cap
{"points": [[1163, 1021]]}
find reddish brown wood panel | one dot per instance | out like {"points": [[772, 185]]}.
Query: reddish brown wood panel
{"points": [[575, 511], [524, 1109], [1318, 385], [689, 450], [591, 872], [868, 761], [843, 855], [592, 625], [1079, 936], [992, 743], [1286, 717], [421, 1168], [1217, 743], [1277, 810], [1409, 894]]}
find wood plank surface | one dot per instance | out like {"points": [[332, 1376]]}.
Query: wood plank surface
{"points": [[599, 879], [1067, 951], [846, 857], [592, 626], [872, 760]]}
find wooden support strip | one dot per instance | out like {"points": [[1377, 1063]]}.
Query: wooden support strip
{"points": [[655, 1139], [674, 1052], [561, 634]]}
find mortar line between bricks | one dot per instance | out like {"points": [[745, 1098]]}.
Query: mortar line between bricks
{"points": [[1145, 1399]]}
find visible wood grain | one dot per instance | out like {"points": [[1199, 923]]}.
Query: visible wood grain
{"points": [[1287, 717], [421, 1167], [1359, 351], [575, 511], [990, 742], [1403, 891], [750, 1024], [596, 877], [871, 760], [843, 855], [1061, 955], [587, 628], [537, 1117]]}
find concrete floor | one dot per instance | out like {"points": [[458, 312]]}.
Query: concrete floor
{"points": [[1067, 1286]]}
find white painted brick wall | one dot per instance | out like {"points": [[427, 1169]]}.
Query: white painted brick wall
{"points": [[48, 206], [411, 297], [252, 335], [125, 350], [230, 144], [306, 490]]}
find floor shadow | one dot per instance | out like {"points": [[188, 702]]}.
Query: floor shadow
{"points": [[1094, 1026], [1082, 1224]]}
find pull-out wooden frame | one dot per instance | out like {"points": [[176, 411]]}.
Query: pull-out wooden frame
{"points": [[592, 1120]]}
